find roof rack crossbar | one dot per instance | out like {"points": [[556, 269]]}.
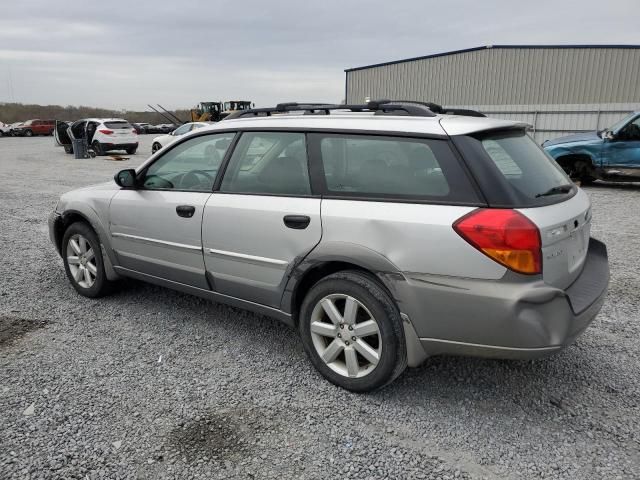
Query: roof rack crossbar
{"points": [[434, 107]]}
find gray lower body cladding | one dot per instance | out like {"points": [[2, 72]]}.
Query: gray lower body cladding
{"points": [[514, 317]]}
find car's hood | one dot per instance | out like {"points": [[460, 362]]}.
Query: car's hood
{"points": [[110, 185], [578, 137], [90, 195]]}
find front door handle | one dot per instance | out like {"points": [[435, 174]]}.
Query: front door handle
{"points": [[297, 222], [185, 211]]}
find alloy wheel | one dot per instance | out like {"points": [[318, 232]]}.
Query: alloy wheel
{"points": [[345, 335], [81, 260]]}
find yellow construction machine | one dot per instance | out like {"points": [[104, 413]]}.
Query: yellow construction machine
{"points": [[216, 111]]}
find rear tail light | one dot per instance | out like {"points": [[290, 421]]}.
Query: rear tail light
{"points": [[106, 132], [506, 236]]}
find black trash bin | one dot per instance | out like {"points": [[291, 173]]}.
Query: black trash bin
{"points": [[80, 148]]}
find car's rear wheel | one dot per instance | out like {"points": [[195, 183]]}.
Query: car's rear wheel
{"points": [[83, 261], [155, 147], [132, 150], [68, 149], [28, 133], [97, 147], [352, 332]]}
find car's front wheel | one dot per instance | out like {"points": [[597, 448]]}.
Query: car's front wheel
{"points": [[155, 147], [352, 332], [132, 150], [83, 261], [28, 133]]}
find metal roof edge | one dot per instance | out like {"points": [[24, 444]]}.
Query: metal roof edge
{"points": [[486, 47]]}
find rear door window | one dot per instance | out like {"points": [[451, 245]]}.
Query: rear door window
{"points": [[392, 167], [270, 163]]}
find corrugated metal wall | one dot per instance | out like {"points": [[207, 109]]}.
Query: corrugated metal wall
{"points": [[507, 76], [558, 90], [552, 121]]}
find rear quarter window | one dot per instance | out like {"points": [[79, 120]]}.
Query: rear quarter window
{"points": [[387, 167], [512, 170]]}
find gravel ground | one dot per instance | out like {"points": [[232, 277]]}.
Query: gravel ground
{"points": [[153, 384]]}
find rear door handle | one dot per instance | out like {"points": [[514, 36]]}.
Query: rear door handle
{"points": [[297, 222], [185, 211]]}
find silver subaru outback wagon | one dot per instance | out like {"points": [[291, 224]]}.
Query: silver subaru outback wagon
{"points": [[385, 233]]}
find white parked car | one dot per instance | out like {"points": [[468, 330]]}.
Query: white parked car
{"points": [[164, 140], [5, 130], [102, 135]]}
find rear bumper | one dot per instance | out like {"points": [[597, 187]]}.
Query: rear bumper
{"points": [[514, 317]]}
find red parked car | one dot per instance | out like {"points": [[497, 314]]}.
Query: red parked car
{"points": [[34, 127]]}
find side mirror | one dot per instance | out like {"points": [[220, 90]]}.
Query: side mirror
{"points": [[126, 178], [608, 135]]}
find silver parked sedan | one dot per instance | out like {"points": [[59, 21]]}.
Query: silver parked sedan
{"points": [[385, 233]]}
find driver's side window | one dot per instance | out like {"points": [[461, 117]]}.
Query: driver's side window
{"points": [[631, 131], [189, 166]]}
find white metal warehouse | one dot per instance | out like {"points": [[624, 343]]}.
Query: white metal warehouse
{"points": [[559, 89]]}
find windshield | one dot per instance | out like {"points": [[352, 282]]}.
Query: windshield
{"points": [[620, 123]]}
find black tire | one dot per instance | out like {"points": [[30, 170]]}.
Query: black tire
{"points": [[101, 285], [366, 290], [132, 150], [97, 147], [68, 149], [155, 147], [28, 133], [587, 180]]}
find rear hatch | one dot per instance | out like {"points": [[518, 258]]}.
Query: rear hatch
{"points": [[513, 172], [123, 131]]}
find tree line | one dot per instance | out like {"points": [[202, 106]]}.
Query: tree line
{"points": [[18, 112]]}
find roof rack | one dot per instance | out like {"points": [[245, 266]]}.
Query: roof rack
{"points": [[378, 107]]}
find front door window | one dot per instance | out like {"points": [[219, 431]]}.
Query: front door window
{"points": [[190, 166]]}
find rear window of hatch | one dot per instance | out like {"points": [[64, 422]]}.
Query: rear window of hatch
{"points": [[513, 171], [118, 125]]}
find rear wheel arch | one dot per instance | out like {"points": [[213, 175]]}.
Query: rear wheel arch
{"points": [[311, 271]]}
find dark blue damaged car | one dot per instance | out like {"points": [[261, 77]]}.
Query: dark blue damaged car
{"points": [[611, 154]]}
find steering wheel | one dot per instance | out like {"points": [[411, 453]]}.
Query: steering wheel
{"points": [[191, 179]]}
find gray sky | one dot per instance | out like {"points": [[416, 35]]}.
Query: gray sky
{"points": [[125, 54]]}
